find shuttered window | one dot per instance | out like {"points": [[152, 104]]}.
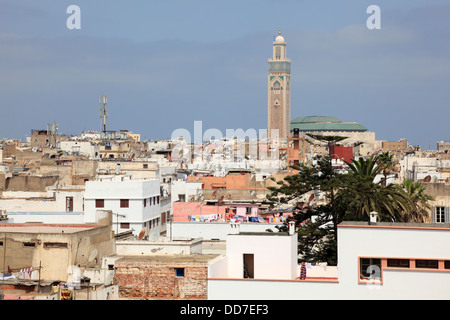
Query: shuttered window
{"points": [[441, 215]]}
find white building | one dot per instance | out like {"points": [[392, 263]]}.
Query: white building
{"points": [[185, 190], [85, 148], [375, 261], [135, 204], [56, 205]]}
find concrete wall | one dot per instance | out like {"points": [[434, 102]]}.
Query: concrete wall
{"points": [[185, 247], [214, 230], [423, 243], [182, 210], [29, 183], [46, 217], [275, 255], [76, 250], [34, 202], [408, 241], [256, 289]]}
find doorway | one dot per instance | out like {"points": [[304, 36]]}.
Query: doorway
{"points": [[249, 265]]}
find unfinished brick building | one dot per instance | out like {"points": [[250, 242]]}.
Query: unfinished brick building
{"points": [[164, 276]]}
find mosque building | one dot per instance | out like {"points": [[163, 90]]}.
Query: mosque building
{"points": [[279, 105]]}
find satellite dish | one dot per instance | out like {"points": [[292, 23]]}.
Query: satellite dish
{"points": [[93, 255], [141, 234]]}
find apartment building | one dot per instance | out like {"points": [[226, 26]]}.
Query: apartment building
{"points": [[135, 205]]}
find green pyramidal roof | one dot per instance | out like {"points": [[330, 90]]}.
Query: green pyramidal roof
{"points": [[321, 123]]}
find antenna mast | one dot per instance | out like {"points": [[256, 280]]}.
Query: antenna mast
{"points": [[103, 111]]}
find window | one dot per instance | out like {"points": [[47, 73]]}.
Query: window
{"points": [[49, 245], [124, 203], [99, 203], [29, 244], [447, 264], [277, 53], [69, 204], [427, 264], [157, 199], [145, 203], [179, 272], [145, 166], [439, 214], [124, 225], [370, 268], [398, 263]]}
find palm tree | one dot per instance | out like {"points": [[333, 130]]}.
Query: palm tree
{"points": [[386, 161], [420, 207], [362, 195], [367, 168]]}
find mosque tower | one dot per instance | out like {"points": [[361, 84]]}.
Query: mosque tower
{"points": [[279, 90]]}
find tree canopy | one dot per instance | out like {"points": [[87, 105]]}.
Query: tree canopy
{"points": [[350, 196]]}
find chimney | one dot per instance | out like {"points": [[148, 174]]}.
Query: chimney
{"points": [[291, 227], [234, 227], [373, 217]]}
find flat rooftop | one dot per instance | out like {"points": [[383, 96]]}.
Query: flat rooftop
{"points": [[249, 233], [406, 225], [45, 228], [170, 257]]}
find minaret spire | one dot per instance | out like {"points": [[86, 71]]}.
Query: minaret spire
{"points": [[279, 90]]}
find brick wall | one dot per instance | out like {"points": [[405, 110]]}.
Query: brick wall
{"points": [[152, 278]]}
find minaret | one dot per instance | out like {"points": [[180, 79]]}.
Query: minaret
{"points": [[279, 90]]}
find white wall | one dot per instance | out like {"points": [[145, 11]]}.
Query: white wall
{"points": [[83, 148], [46, 217], [275, 255], [41, 202], [214, 230], [186, 188], [256, 289], [145, 247], [355, 242], [410, 241]]}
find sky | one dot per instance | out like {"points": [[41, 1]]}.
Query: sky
{"points": [[165, 64]]}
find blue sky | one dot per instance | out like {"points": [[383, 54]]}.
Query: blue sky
{"points": [[165, 64]]}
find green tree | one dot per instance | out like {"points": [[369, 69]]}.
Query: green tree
{"points": [[349, 196], [365, 168], [386, 163], [390, 202], [317, 224], [420, 211]]}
